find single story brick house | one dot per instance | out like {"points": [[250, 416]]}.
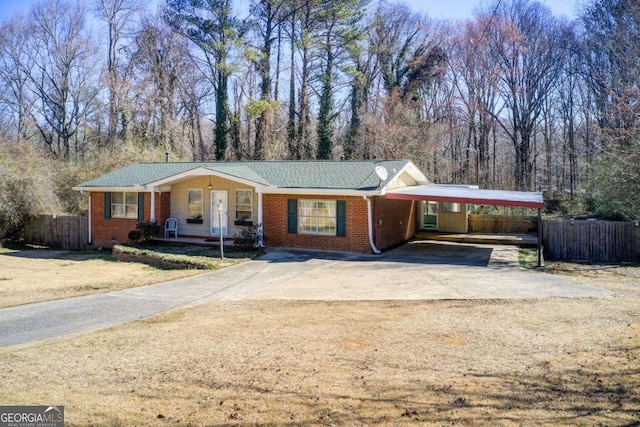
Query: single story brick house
{"points": [[359, 206]]}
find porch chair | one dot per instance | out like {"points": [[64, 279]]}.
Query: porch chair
{"points": [[171, 224]]}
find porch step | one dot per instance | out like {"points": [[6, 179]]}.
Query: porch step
{"points": [[490, 239]]}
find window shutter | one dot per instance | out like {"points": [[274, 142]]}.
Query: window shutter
{"points": [[107, 205], [141, 207], [292, 216], [341, 218]]}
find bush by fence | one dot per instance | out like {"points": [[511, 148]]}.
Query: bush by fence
{"points": [[502, 224], [591, 241], [65, 232]]}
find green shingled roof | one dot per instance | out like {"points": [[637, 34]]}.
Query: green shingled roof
{"points": [[347, 175]]}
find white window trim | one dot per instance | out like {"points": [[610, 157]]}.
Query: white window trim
{"points": [[313, 233], [201, 198], [250, 203], [124, 205]]}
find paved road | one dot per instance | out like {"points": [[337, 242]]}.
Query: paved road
{"points": [[418, 271]]}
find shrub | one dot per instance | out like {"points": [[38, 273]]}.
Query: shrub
{"points": [[148, 229], [248, 237], [26, 188], [615, 185]]}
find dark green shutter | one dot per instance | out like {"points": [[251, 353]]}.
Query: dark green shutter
{"points": [[107, 205], [341, 218], [140, 206], [292, 216]]}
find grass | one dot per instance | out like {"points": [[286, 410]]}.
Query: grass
{"points": [[35, 274], [528, 258], [387, 363], [541, 362]]}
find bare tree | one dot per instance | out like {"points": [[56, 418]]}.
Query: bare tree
{"points": [[15, 64], [163, 60], [475, 77], [527, 46], [118, 16], [61, 79], [411, 61], [612, 58]]}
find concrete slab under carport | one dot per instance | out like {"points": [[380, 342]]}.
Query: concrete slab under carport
{"points": [[482, 238]]}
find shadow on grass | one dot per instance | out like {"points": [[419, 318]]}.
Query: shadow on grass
{"points": [[575, 395], [21, 250]]}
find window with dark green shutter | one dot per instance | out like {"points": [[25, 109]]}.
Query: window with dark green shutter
{"points": [[317, 217], [341, 218], [107, 205], [124, 204], [292, 216]]}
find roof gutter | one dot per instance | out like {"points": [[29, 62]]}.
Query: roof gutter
{"points": [[320, 191], [370, 226]]}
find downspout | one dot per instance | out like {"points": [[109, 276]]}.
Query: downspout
{"points": [[90, 218], [370, 224]]}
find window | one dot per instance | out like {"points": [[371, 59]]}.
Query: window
{"points": [[244, 205], [451, 207], [317, 217], [195, 202], [124, 205]]}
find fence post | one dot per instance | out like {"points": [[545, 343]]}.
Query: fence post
{"points": [[539, 237]]}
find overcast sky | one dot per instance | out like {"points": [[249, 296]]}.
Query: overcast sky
{"points": [[450, 9]]}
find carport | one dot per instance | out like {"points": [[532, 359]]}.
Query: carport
{"points": [[474, 195]]}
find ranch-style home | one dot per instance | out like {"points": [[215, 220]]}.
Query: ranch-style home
{"points": [[360, 206]]}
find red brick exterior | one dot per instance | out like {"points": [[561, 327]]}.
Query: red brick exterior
{"points": [[109, 232], [275, 225], [394, 221], [398, 224]]}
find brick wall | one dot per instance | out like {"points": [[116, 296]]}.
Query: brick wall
{"points": [[398, 219], [275, 226], [109, 232], [394, 221]]}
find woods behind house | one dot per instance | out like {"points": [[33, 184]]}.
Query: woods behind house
{"points": [[512, 98]]}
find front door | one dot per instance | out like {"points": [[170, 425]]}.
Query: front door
{"points": [[430, 214], [219, 200]]}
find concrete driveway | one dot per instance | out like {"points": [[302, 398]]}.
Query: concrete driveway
{"points": [[417, 271]]}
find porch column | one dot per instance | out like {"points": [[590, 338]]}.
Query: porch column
{"points": [[152, 217], [260, 239]]}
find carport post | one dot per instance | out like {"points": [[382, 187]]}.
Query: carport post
{"points": [[539, 237]]}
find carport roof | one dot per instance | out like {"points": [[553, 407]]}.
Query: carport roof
{"points": [[467, 194]]}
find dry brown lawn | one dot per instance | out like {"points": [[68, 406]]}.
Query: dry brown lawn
{"points": [[28, 276], [531, 362]]}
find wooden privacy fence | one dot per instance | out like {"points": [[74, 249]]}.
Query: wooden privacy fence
{"points": [[591, 240], [502, 224], [66, 232]]}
